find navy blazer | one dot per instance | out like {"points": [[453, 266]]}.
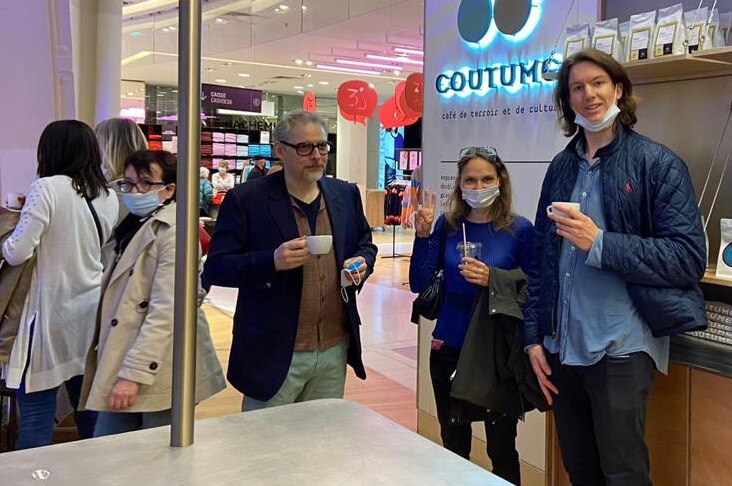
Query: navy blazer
{"points": [[256, 218]]}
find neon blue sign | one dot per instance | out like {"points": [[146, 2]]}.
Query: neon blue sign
{"points": [[480, 22]]}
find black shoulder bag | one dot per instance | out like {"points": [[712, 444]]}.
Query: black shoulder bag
{"points": [[428, 302]]}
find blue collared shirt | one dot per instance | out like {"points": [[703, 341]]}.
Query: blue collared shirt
{"points": [[596, 315]]}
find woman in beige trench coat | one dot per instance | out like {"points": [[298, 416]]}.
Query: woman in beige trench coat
{"points": [[130, 381]]}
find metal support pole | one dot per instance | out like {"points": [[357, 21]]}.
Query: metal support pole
{"points": [[186, 264]]}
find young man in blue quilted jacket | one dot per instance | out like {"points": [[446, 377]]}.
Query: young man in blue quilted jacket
{"points": [[614, 274]]}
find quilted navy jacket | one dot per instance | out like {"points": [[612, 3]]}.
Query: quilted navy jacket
{"points": [[654, 237]]}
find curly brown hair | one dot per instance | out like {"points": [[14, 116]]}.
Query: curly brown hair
{"points": [[627, 103]]}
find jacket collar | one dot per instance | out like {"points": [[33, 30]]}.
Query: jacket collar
{"points": [[144, 238], [607, 151]]}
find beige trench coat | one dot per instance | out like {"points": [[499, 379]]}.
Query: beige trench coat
{"points": [[136, 326]]}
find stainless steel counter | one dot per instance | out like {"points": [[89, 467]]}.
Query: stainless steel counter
{"points": [[324, 442]]}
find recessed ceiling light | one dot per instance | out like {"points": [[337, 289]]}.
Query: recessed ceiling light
{"points": [[309, 63], [299, 62], [397, 72], [284, 8], [220, 80], [297, 87], [244, 75], [166, 30], [161, 94], [311, 85], [323, 83], [304, 7], [135, 34], [172, 28], [210, 70], [299, 91], [130, 93], [371, 85], [174, 90], [220, 21]]}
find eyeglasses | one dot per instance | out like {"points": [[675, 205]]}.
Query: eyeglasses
{"points": [[488, 153], [142, 186], [306, 148]]}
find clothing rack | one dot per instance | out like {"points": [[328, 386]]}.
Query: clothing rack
{"points": [[403, 184]]}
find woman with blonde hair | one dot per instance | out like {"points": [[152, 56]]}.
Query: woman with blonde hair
{"points": [[479, 211], [118, 138]]}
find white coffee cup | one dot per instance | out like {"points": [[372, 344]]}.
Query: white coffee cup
{"points": [[565, 205], [15, 200], [319, 244]]}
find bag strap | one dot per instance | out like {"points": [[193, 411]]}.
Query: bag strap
{"points": [[443, 243], [96, 220]]}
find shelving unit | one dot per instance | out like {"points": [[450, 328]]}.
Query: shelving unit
{"points": [[703, 64], [236, 140]]}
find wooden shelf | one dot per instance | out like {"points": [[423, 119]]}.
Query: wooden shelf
{"points": [[716, 62], [710, 277]]}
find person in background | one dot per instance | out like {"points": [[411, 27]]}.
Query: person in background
{"points": [[222, 180], [481, 204], [130, 381], [259, 170], [206, 192], [68, 213], [275, 167], [297, 324], [612, 279]]}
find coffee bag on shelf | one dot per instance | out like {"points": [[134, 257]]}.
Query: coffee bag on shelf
{"points": [[641, 36], [669, 38], [606, 38]]}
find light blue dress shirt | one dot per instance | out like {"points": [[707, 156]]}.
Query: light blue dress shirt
{"points": [[596, 315]]}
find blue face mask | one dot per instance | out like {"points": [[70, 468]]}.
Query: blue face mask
{"points": [[142, 204]]}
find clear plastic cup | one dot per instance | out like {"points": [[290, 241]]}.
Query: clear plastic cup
{"points": [[473, 250]]}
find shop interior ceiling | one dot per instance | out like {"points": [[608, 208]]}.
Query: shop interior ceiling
{"points": [[280, 46]]}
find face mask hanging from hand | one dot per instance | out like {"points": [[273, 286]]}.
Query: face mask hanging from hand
{"points": [[606, 122], [351, 270], [480, 198]]}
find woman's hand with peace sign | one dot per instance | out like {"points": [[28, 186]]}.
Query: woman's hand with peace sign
{"points": [[425, 215]]}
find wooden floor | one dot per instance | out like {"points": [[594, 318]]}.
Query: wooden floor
{"points": [[377, 392]]}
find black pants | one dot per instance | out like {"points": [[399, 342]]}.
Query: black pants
{"points": [[600, 414], [500, 430]]}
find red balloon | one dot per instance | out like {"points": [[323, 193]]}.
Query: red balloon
{"points": [[401, 101], [353, 118], [357, 98], [389, 114], [413, 92], [309, 103]]}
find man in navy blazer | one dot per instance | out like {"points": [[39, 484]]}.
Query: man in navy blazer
{"points": [[296, 323]]}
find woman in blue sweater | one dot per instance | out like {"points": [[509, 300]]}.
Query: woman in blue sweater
{"points": [[481, 200]]}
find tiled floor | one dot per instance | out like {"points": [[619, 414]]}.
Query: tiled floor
{"points": [[389, 339]]}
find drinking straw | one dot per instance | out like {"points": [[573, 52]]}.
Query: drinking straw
{"points": [[465, 242]]}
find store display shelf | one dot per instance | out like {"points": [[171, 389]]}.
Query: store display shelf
{"points": [[710, 277], [680, 67]]}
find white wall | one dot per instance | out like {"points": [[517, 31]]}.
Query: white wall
{"points": [[351, 153], [36, 85]]}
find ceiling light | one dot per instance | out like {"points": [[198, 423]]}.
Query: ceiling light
{"points": [[405, 51], [135, 34], [371, 85], [284, 8], [323, 83], [210, 70], [220, 21], [244, 75], [304, 7], [299, 62], [309, 63], [172, 28], [166, 30], [174, 90], [297, 87], [161, 94], [397, 72], [367, 64], [277, 10], [220, 80], [130, 93], [311, 85], [404, 60], [328, 67], [300, 92]]}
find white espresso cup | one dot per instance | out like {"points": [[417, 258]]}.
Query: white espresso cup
{"points": [[15, 200], [565, 205], [319, 244]]}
